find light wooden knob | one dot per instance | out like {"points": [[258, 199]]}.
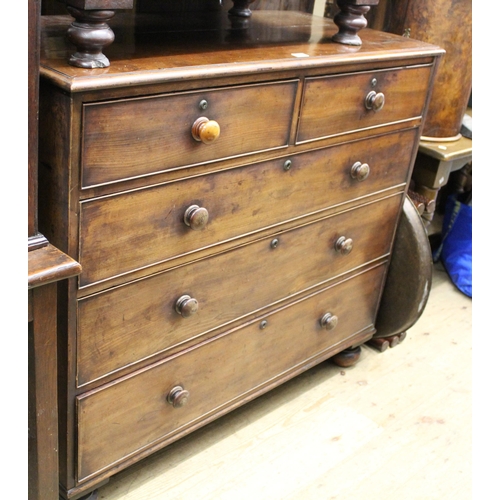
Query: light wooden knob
{"points": [[375, 100], [205, 130], [344, 245], [196, 217], [360, 171], [329, 321], [178, 396], [186, 306]]}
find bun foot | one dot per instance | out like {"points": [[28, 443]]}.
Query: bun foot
{"points": [[348, 357], [93, 495]]}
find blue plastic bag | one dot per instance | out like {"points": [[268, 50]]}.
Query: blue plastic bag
{"points": [[455, 250]]}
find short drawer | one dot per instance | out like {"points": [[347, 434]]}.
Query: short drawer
{"points": [[128, 231], [334, 105], [132, 414], [130, 323], [134, 137]]}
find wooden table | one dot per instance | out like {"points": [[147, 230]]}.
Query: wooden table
{"points": [[436, 160], [46, 266]]}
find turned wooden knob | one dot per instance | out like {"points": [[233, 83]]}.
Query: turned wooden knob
{"points": [[329, 321], [344, 245], [205, 130], [196, 217], [360, 171], [178, 396], [186, 306], [375, 101]]}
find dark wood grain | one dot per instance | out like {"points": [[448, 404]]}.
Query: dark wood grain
{"points": [[148, 224], [150, 47], [46, 265], [108, 417], [142, 136], [449, 25], [409, 277], [43, 477], [113, 345], [122, 186], [33, 83], [49, 264], [324, 114]]}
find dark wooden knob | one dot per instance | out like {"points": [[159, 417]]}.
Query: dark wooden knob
{"points": [[344, 245], [186, 306], [360, 171], [196, 217], [328, 321], [178, 396], [205, 130], [375, 101]]}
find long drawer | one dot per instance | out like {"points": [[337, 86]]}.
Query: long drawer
{"points": [[334, 105], [129, 138], [127, 416], [129, 323], [128, 231]]}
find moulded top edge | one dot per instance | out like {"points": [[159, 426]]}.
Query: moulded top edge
{"points": [[144, 53], [82, 83]]}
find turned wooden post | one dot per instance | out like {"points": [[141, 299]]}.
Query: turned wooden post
{"points": [[241, 8], [90, 32], [351, 19]]}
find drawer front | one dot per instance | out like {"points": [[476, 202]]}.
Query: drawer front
{"points": [[130, 138], [132, 414], [137, 320], [335, 105], [125, 232]]}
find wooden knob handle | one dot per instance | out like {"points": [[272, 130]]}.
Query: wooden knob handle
{"points": [[375, 101], [360, 171], [178, 396], [196, 217], [205, 130], [328, 321], [186, 306], [344, 245]]}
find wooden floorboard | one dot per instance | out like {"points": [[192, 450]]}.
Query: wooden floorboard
{"points": [[397, 426]]}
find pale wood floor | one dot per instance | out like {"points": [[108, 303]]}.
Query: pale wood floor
{"points": [[396, 426]]}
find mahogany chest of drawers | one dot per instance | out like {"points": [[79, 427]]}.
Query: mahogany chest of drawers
{"points": [[233, 205]]}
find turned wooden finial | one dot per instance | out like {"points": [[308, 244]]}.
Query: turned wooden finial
{"points": [[241, 8], [351, 19], [90, 32]]}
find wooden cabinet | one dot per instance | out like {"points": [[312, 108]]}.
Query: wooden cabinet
{"points": [[233, 205]]}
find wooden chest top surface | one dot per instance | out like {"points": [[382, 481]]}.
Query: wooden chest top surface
{"points": [[156, 49]]}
